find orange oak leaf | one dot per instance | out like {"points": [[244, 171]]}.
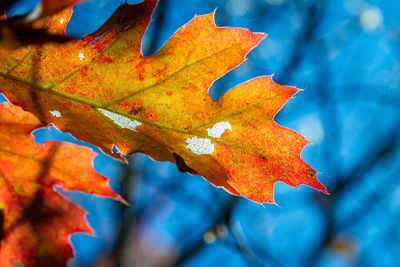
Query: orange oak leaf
{"points": [[36, 221], [106, 92]]}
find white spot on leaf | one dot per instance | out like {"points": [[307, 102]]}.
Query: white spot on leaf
{"points": [[219, 128], [61, 21], [81, 56], [55, 113], [120, 120], [200, 145]]}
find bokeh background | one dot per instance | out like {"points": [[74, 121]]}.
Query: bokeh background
{"points": [[345, 53]]}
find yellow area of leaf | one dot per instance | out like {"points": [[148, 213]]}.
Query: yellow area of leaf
{"points": [[36, 221], [108, 93]]}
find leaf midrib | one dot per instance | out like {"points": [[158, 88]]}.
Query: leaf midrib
{"points": [[140, 119]]}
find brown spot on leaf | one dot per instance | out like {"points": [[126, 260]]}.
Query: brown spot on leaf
{"points": [[136, 110]]}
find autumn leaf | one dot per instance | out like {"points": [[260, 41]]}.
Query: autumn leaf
{"points": [[106, 92], [16, 32], [36, 221]]}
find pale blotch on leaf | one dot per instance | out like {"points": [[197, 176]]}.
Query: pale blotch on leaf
{"points": [[120, 120], [61, 21], [200, 146], [55, 113], [81, 56], [219, 128]]}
